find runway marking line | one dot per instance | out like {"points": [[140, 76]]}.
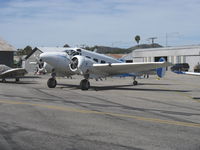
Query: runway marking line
{"points": [[170, 122]]}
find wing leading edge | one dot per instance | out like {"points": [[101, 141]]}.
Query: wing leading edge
{"points": [[121, 68], [13, 73], [187, 73]]}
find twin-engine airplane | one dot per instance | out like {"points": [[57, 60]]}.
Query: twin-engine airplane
{"points": [[92, 65]]}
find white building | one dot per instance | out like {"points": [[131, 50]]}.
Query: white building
{"points": [[184, 54]]}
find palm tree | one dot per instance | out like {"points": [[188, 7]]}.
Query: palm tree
{"points": [[137, 39]]}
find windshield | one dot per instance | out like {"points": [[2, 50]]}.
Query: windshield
{"points": [[72, 52]]}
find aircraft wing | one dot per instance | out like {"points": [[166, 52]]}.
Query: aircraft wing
{"points": [[121, 68], [192, 73], [188, 73], [13, 73]]}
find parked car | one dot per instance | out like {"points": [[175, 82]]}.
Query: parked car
{"points": [[180, 67]]}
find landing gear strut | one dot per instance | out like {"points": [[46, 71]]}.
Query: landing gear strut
{"points": [[135, 82], [16, 79], [51, 83], [84, 84]]}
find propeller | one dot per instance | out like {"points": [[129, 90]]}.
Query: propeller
{"points": [[74, 63], [40, 64]]}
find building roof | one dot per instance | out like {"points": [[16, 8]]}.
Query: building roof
{"points": [[128, 56], [116, 55], [52, 49], [4, 46], [47, 49], [169, 48]]}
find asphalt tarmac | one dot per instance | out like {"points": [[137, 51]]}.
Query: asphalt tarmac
{"points": [[154, 115]]}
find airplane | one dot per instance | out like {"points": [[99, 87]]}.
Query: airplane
{"points": [[13, 73], [92, 65]]}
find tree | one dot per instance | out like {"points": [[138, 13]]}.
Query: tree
{"points": [[27, 50], [66, 45], [137, 39]]}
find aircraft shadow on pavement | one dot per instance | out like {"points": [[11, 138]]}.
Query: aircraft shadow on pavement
{"points": [[197, 98], [20, 82], [126, 87]]}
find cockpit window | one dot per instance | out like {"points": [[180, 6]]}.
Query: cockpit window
{"points": [[79, 50], [72, 52]]}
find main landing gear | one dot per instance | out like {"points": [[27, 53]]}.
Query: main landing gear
{"points": [[16, 80], [51, 83], [84, 84], [135, 82]]}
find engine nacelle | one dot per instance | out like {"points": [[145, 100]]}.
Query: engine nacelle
{"points": [[80, 64]]}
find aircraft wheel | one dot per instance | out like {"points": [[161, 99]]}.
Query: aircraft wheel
{"points": [[135, 83], [51, 83], [84, 84], [17, 80], [4, 80]]}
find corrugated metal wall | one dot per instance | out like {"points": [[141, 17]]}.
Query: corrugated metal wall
{"points": [[6, 58], [192, 61]]}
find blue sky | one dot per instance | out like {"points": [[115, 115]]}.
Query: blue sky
{"points": [[99, 22]]}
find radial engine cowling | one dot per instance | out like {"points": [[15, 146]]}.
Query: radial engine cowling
{"points": [[80, 64]]}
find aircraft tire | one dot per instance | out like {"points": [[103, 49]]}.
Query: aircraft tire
{"points": [[135, 83], [17, 80], [51, 83], [84, 84]]}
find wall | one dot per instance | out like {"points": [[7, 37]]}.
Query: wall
{"points": [[192, 61], [6, 58], [27, 63]]}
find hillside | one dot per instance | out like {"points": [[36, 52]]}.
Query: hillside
{"points": [[115, 50], [142, 46]]}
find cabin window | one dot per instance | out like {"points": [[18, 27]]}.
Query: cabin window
{"points": [[103, 62], [88, 57], [96, 60]]}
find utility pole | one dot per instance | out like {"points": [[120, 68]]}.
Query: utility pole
{"points": [[152, 39]]}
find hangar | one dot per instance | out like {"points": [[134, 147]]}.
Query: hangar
{"points": [[183, 54], [6, 53]]}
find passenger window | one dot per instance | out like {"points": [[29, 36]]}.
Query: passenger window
{"points": [[95, 59], [88, 57], [103, 62]]}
